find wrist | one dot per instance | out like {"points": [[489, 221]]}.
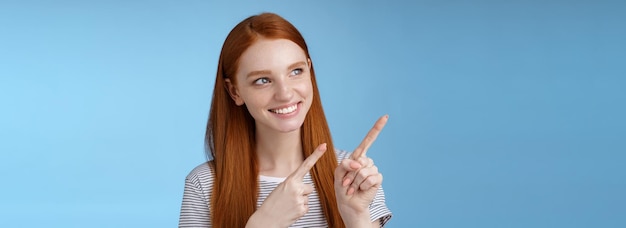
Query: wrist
{"points": [[252, 221], [356, 219], [257, 219], [261, 219]]}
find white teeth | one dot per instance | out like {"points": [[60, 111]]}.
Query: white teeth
{"points": [[286, 110]]}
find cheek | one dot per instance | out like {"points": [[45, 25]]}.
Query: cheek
{"points": [[306, 89], [310, 92], [253, 100]]}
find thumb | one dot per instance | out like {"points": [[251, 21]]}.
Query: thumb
{"points": [[343, 169]]}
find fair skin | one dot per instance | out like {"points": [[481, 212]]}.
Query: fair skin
{"points": [[357, 180], [274, 82]]}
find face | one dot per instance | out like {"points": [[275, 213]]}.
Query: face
{"points": [[274, 82]]}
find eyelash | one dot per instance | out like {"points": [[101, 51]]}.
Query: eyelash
{"points": [[298, 69], [259, 81], [262, 81]]}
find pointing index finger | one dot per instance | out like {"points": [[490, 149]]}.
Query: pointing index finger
{"points": [[370, 137], [309, 162]]}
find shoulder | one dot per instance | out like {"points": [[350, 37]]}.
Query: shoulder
{"points": [[195, 208], [201, 176]]}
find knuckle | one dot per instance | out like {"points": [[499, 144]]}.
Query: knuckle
{"points": [[302, 210], [371, 181], [355, 184], [364, 172]]}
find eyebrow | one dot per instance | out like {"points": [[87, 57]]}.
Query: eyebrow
{"points": [[258, 72], [296, 64], [262, 72]]}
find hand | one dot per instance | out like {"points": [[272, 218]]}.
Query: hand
{"points": [[357, 179], [288, 202]]}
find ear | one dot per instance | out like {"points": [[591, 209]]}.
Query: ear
{"points": [[233, 92], [308, 60]]}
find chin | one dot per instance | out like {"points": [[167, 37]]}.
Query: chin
{"points": [[290, 130], [290, 127]]}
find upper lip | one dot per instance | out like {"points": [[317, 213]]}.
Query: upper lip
{"points": [[285, 106]]}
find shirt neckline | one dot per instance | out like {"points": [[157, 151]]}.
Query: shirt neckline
{"points": [[272, 179]]}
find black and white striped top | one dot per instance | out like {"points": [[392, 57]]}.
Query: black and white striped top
{"points": [[195, 210]]}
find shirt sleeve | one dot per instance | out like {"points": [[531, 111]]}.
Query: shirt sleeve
{"points": [[195, 211], [378, 208]]}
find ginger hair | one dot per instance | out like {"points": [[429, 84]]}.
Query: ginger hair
{"points": [[230, 132]]}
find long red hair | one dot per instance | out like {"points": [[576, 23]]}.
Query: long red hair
{"points": [[230, 133]]}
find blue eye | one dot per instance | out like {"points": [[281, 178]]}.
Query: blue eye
{"points": [[261, 81], [297, 71]]}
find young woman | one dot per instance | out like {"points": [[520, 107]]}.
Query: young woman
{"points": [[267, 137]]}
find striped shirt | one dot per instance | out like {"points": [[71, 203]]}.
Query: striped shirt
{"points": [[196, 212]]}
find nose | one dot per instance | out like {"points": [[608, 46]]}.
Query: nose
{"points": [[283, 91]]}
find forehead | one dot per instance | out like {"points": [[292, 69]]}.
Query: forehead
{"points": [[270, 54]]}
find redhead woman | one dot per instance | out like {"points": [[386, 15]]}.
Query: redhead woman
{"points": [[273, 161]]}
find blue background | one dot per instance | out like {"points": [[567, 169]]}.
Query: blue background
{"points": [[502, 114]]}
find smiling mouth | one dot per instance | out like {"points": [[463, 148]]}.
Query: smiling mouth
{"points": [[286, 110]]}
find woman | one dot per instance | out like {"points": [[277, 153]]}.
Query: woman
{"points": [[267, 136]]}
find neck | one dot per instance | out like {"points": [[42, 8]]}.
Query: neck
{"points": [[279, 153]]}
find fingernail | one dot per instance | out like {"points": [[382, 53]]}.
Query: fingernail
{"points": [[350, 191], [355, 165], [346, 182]]}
